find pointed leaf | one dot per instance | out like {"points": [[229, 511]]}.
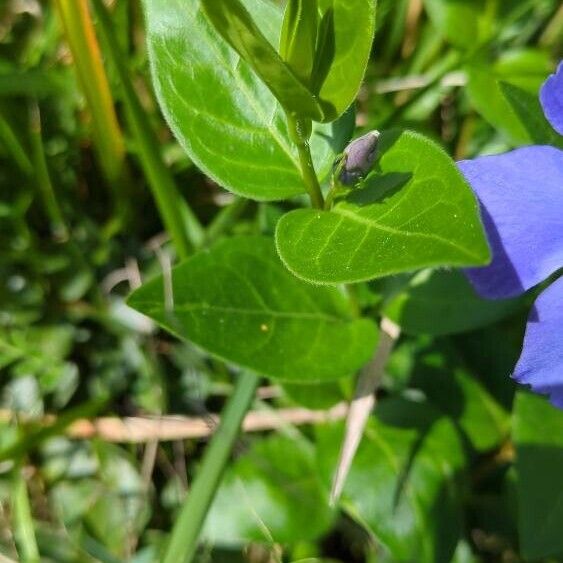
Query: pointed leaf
{"points": [[414, 211], [233, 22], [299, 37], [239, 303], [345, 40]]}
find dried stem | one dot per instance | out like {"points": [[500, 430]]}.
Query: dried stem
{"points": [[362, 404]]}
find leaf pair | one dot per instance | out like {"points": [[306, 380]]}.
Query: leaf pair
{"points": [[323, 54]]}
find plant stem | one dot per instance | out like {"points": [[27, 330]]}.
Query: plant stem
{"points": [[23, 521], [108, 139], [298, 134], [179, 220], [58, 225], [183, 543], [14, 147]]}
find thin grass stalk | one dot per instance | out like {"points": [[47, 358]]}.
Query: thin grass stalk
{"points": [[179, 220], [23, 521], [185, 534], [108, 139]]}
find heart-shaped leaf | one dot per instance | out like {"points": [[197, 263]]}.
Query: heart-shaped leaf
{"points": [[239, 303], [224, 116], [415, 210]]}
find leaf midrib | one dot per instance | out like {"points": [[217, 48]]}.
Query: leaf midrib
{"points": [[155, 307], [375, 225]]}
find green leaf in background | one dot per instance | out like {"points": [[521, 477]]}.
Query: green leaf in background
{"points": [[345, 39], [226, 119], [235, 24], [527, 108], [538, 435], [458, 20], [239, 303], [319, 396], [442, 302], [299, 37], [402, 484], [453, 390], [415, 210], [279, 495], [524, 68]]}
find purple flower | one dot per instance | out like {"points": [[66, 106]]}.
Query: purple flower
{"points": [[521, 197]]}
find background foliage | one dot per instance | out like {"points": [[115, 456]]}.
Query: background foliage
{"points": [[456, 464]]}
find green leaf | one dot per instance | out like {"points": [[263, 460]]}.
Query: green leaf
{"points": [[402, 484], [414, 211], [233, 21], [451, 388], [538, 434], [527, 108], [319, 396], [458, 21], [280, 497], [526, 69], [441, 302], [226, 119], [299, 37], [239, 303], [343, 48]]}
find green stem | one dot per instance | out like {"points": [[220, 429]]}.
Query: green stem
{"points": [[179, 220], [14, 147], [298, 133], [23, 521], [183, 543], [108, 139], [58, 226]]}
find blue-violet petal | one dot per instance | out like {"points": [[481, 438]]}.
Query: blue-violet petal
{"points": [[521, 199]]}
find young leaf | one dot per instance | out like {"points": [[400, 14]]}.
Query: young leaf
{"points": [[239, 303], [414, 211], [226, 119], [299, 37], [343, 48], [232, 20], [538, 434]]}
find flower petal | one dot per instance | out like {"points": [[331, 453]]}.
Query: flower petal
{"points": [[551, 98], [521, 197], [541, 362]]}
